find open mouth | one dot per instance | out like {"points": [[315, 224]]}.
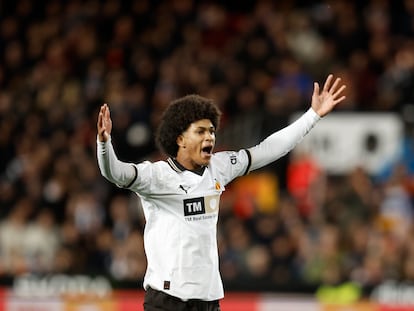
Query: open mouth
{"points": [[207, 150]]}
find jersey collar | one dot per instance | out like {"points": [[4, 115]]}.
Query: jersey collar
{"points": [[179, 168]]}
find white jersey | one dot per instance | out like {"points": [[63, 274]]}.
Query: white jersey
{"points": [[181, 209]]}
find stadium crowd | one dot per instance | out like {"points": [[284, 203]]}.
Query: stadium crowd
{"points": [[60, 60]]}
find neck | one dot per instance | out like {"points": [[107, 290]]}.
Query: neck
{"points": [[187, 163]]}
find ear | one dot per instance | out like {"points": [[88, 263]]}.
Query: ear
{"points": [[181, 141]]}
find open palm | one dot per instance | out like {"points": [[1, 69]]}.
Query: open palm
{"points": [[331, 95]]}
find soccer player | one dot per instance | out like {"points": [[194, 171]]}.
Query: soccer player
{"points": [[180, 196]]}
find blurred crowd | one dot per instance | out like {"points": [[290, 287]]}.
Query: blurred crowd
{"points": [[60, 60]]}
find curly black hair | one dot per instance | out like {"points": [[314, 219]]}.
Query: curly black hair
{"points": [[179, 115]]}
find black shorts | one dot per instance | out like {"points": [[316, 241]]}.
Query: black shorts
{"points": [[159, 301]]}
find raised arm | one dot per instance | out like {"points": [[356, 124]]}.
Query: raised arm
{"points": [[281, 142], [120, 173]]}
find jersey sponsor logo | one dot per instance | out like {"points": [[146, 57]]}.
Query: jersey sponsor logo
{"points": [[194, 206], [201, 205]]}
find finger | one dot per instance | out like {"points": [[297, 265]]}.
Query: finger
{"points": [[335, 85], [337, 101], [328, 83], [100, 116], [107, 112], [338, 92]]}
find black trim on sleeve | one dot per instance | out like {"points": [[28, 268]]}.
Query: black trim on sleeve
{"points": [[249, 156], [133, 179]]}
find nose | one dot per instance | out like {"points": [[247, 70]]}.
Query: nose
{"points": [[210, 136]]}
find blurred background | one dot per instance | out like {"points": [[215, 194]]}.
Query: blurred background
{"points": [[337, 210]]}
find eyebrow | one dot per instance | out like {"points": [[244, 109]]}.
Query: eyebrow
{"points": [[205, 128]]}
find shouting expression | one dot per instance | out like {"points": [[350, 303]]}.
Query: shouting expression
{"points": [[195, 145]]}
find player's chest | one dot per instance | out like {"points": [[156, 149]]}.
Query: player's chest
{"points": [[189, 184]]}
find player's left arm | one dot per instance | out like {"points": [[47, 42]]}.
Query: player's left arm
{"points": [[281, 142]]}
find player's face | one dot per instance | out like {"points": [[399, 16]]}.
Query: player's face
{"points": [[195, 145]]}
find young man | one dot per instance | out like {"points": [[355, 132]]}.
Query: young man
{"points": [[180, 196]]}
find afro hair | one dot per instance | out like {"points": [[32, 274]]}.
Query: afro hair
{"points": [[178, 117]]}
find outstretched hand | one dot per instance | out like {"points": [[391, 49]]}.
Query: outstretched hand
{"points": [[323, 102], [104, 124]]}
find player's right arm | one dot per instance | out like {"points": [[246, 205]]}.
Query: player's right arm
{"points": [[120, 173]]}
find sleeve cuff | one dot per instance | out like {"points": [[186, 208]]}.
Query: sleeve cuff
{"points": [[103, 143], [313, 115]]}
